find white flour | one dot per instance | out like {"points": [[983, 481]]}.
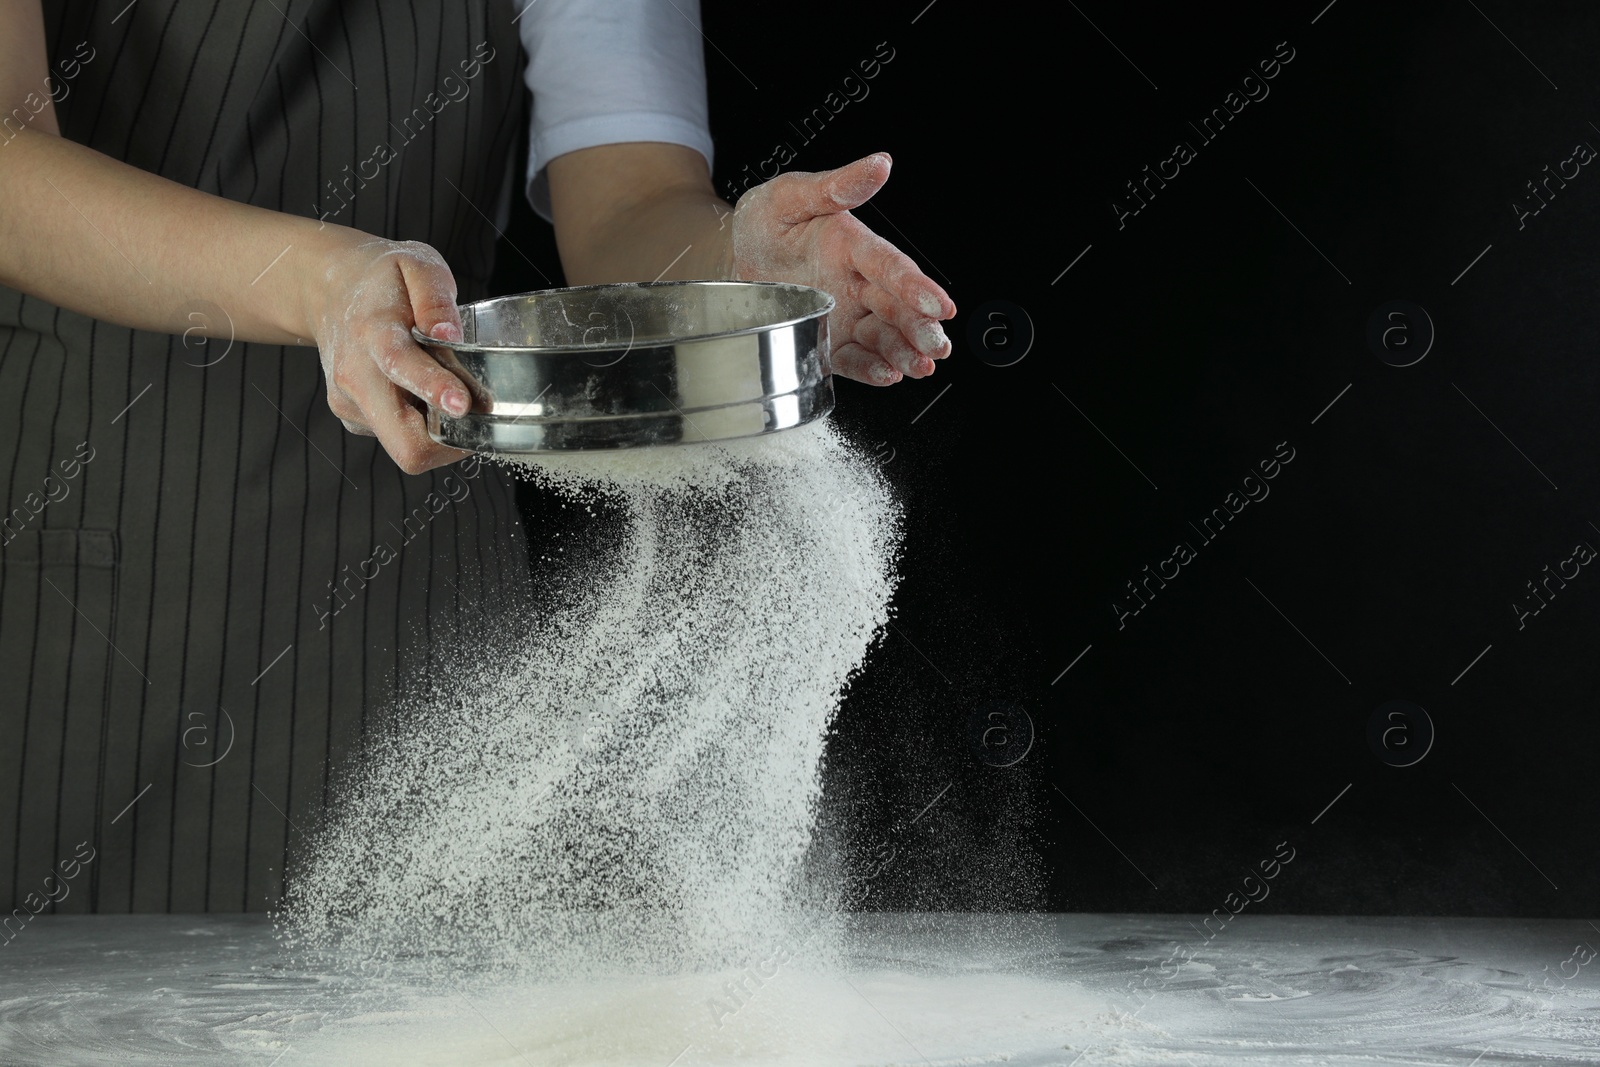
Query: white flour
{"points": [[631, 781]]}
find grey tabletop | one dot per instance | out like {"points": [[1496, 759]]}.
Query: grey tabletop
{"points": [[939, 989]]}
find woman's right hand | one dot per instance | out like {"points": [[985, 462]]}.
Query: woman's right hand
{"points": [[362, 309]]}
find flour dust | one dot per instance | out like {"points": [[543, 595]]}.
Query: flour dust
{"points": [[630, 780]]}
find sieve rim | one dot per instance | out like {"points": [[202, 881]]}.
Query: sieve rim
{"points": [[824, 307]]}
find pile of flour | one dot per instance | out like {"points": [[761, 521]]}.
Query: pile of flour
{"points": [[631, 779]]}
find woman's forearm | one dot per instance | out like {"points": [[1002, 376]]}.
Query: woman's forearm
{"points": [[109, 240], [97, 236], [682, 233], [638, 211]]}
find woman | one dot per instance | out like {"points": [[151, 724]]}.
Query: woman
{"points": [[219, 555]]}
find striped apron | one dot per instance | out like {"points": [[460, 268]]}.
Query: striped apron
{"points": [[210, 592]]}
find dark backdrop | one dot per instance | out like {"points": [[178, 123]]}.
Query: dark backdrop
{"points": [[1078, 754]]}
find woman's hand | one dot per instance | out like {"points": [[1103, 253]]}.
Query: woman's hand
{"points": [[798, 228], [378, 377]]}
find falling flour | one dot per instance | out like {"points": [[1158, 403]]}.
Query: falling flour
{"points": [[629, 780]]}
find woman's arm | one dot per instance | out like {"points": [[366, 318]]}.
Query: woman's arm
{"points": [[638, 212], [95, 235], [24, 69], [89, 233]]}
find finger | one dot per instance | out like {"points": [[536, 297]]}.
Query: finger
{"points": [[361, 394], [853, 361], [831, 191], [402, 429], [854, 184], [359, 428], [447, 358], [885, 339], [891, 270], [921, 332], [432, 291], [407, 364]]}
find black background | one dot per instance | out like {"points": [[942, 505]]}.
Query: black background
{"points": [[1177, 352]]}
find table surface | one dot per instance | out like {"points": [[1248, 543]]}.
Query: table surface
{"points": [[939, 989]]}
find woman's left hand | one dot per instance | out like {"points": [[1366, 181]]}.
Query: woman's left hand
{"points": [[798, 228]]}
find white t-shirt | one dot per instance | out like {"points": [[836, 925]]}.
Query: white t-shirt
{"points": [[611, 71]]}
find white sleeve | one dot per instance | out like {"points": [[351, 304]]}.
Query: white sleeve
{"points": [[610, 71]]}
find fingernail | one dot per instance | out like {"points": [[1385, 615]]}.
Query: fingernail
{"points": [[929, 338], [456, 402], [445, 331], [929, 304]]}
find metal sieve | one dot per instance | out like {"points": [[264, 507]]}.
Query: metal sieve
{"points": [[635, 365]]}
